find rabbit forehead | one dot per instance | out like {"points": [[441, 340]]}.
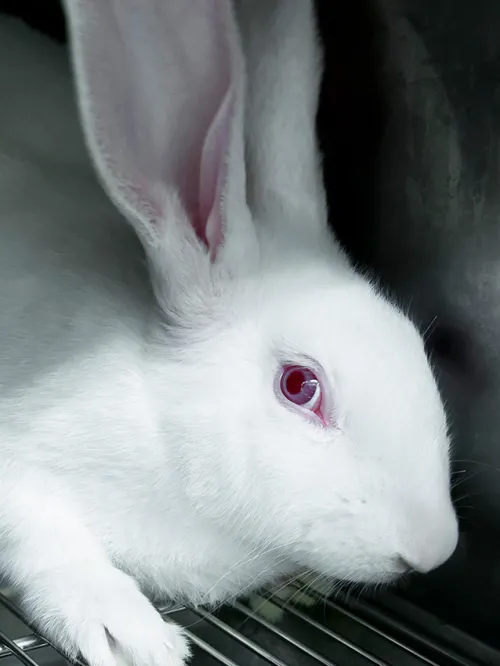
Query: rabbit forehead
{"points": [[311, 308]]}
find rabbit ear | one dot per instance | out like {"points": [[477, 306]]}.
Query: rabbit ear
{"points": [[160, 92], [284, 68]]}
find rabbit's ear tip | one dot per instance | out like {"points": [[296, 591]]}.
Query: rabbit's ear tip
{"points": [[214, 166]]}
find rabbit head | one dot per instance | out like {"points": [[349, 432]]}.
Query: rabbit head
{"points": [[299, 401]]}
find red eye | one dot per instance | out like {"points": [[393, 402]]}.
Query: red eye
{"points": [[301, 386]]}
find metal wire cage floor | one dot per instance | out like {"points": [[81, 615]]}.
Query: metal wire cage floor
{"points": [[335, 632]]}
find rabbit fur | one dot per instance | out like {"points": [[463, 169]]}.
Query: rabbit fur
{"points": [[151, 296]]}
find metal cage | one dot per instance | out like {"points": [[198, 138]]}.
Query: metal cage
{"points": [[335, 632]]}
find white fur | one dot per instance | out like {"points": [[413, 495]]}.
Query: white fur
{"points": [[141, 439]]}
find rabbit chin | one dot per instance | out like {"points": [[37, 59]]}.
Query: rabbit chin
{"points": [[347, 566]]}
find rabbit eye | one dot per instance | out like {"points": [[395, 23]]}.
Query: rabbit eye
{"points": [[301, 386]]}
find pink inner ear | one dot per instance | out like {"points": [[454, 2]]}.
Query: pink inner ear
{"points": [[213, 177]]}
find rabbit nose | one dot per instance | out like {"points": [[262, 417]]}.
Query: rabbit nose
{"points": [[431, 544]]}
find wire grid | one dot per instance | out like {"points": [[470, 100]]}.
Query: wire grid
{"points": [[329, 634]]}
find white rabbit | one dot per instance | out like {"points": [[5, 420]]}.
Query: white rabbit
{"points": [[249, 405]]}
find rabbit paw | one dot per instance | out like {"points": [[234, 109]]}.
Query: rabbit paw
{"points": [[111, 623]]}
